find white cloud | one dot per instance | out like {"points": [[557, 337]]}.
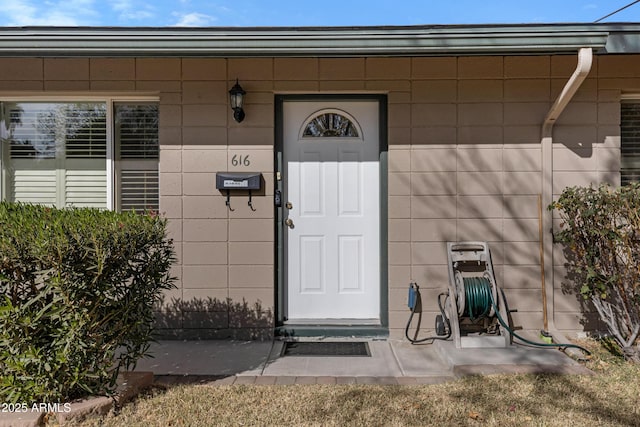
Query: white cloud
{"points": [[18, 12], [136, 15], [193, 19], [120, 5], [98, 12], [132, 10], [51, 13]]}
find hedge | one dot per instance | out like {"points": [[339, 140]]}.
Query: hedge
{"points": [[77, 289]]}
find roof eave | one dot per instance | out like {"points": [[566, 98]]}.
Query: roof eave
{"points": [[318, 42]]}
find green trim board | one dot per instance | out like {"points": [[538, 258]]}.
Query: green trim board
{"points": [[278, 214], [419, 40], [384, 237], [279, 248], [384, 211]]}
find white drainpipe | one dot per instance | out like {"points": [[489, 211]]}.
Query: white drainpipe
{"points": [[585, 59]]}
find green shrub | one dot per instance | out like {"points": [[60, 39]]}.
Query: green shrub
{"points": [[77, 288], [601, 231]]}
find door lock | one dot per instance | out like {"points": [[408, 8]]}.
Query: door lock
{"points": [[289, 222], [288, 205]]}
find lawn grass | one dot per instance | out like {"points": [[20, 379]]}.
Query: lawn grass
{"points": [[609, 398]]}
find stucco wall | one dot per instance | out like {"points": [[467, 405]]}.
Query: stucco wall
{"points": [[464, 164]]}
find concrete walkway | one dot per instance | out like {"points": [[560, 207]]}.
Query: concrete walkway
{"points": [[391, 362]]}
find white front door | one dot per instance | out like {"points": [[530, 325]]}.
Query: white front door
{"points": [[332, 195]]}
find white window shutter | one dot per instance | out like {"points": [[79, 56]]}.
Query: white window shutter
{"points": [[86, 183], [33, 182], [630, 146], [139, 187], [136, 134]]}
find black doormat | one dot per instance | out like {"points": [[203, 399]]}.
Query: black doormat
{"points": [[326, 349]]}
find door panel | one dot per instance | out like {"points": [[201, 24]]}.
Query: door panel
{"points": [[311, 177], [351, 263], [312, 265], [332, 246], [350, 184]]}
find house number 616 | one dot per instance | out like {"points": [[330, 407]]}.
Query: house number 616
{"points": [[240, 160]]}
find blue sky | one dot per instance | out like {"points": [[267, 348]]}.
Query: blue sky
{"points": [[306, 12]]}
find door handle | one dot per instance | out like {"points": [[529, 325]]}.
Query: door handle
{"points": [[289, 223]]}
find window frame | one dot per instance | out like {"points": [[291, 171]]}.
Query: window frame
{"points": [[141, 164], [112, 166]]}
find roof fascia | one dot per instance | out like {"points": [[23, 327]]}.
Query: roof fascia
{"points": [[319, 42]]}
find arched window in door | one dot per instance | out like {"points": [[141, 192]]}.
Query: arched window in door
{"points": [[331, 124]]}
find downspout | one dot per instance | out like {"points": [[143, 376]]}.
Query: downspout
{"points": [[585, 60]]}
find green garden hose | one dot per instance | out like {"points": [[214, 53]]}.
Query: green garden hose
{"points": [[477, 292], [479, 301]]}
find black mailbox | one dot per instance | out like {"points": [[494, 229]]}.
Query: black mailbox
{"points": [[238, 180], [229, 181]]}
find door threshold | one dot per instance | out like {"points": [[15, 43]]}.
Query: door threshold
{"points": [[293, 331], [334, 322]]}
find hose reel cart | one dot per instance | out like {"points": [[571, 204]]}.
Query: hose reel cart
{"points": [[475, 311], [474, 296]]}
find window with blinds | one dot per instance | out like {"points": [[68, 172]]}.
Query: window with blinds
{"points": [[68, 153], [630, 142], [55, 153], [136, 138]]}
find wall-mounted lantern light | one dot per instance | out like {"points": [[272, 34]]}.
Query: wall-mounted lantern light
{"points": [[236, 98]]}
